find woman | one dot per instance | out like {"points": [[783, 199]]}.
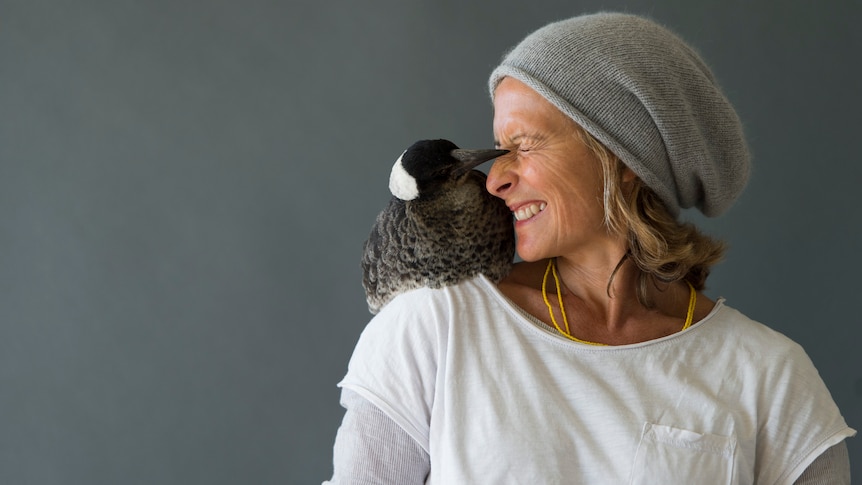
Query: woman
{"points": [[598, 359]]}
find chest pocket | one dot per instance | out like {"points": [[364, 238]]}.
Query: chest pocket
{"points": [[673, 456]]}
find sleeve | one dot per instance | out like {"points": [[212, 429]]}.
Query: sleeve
{"points": [[830, 468], [800, 420], [395, 363], [371, 449]]}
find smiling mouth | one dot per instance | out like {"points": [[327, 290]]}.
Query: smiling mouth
{"points": [[529, 211]]}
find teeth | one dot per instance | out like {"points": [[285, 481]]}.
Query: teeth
{"points": [[529, 211]]}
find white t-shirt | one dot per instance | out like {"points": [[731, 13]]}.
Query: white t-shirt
{"points": [[494, 396]]}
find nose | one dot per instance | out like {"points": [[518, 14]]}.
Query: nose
{"points": [[501, 177]]}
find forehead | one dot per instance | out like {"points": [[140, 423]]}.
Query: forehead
{"points": [[517, 107]]}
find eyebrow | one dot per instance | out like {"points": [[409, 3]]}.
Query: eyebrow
{"points": [[519, 136]]}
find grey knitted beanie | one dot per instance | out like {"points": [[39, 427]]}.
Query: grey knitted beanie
{"points": [[647, 96]]}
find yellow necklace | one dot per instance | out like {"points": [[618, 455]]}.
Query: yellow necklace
{"points": [[552, 269]]}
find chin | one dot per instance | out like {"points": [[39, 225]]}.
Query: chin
{"points": [[530, 255]]}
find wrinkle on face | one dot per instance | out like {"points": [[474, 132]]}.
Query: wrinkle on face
{"points": [[548, 162]]}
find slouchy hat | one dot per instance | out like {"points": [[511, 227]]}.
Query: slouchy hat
{"points": [[647, 96]]}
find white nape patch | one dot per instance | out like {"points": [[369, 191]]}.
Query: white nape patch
{"points": [[401, 183]]}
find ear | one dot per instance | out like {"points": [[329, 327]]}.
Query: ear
{"points": [[627, 182]]}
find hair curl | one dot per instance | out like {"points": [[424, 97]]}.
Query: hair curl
{"points": [[663, 248]]}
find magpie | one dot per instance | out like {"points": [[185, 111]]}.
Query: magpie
{"points": [[440, 227]]}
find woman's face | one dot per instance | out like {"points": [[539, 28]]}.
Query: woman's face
{"points": [[550, 180]]}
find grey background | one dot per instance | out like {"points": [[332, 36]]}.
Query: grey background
{"points": [[185, 187]]}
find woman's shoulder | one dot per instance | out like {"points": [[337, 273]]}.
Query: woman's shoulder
{"points": [[745, 327], [430, 296], [435, 306], [740, 333], [414, 326]]}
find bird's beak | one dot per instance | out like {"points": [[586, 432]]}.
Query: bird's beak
{"points": [[471, 159]]}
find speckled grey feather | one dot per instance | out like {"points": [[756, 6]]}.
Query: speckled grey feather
{"points": [[452, 231]]}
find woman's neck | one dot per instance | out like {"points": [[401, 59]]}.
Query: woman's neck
{"points": [[601, 302]]}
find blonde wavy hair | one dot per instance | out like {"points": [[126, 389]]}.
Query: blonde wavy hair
{"points": [[663, 248]]}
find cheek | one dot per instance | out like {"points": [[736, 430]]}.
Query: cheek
{"points": [[572, 187], [577, 201]]}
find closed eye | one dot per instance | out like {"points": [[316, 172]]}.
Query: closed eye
{"points": [[512, 147], [521, 142]]}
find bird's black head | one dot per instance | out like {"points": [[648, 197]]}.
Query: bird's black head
{"points": [[429, 164]]}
